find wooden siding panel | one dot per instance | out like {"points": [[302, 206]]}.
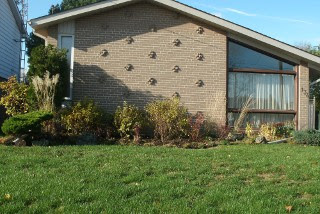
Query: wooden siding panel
{"points": [[9, 48]]}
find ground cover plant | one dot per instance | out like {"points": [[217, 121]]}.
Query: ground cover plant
{"points": [[134, 179]]}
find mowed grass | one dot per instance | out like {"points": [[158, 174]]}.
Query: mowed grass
{"points": [[128, 179]]}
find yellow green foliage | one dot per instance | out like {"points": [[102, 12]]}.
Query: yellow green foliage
{"points": [[249, 130], [84, 117], [14, 97], [169, 118], [269, 131], [127, 118]]}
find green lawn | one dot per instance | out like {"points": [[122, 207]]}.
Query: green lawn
{"points": [[123, 179]]}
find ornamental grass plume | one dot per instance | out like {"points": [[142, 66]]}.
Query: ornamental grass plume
{"points": [[45, 90], [243, 113]]}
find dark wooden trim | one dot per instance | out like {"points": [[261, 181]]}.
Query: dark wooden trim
{"points": [[253, 70], [227, 82], [297, 94], [266, 111]]}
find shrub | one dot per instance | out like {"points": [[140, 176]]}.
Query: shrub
{"points": [[274, 131], [249, 130], [15, 97], [309, 137], [129, 120], [196, 122], [25, 123], [285, 129], [45, 90], [169, 118], [85, 117], [223, 132], [49, 58], [268, 131]]}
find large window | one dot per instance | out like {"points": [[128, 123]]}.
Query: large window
{"points": [[270, 82], [244, 57]]}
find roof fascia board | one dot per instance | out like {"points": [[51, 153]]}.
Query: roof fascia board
{"points": [[17, 16], [81, 11], [229, 27], [237, 29]]}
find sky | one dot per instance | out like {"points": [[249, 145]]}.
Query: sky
{"points": [[290, 21]]}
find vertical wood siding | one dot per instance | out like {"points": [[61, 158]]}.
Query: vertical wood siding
{"points": [[9, 48]]}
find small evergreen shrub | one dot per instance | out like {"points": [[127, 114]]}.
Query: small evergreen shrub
{"points": [[25, 123], [129, 120], [308, 137], [86, 117], [169, 118]]}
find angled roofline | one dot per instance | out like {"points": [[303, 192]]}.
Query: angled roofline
{"points": [[210, 19], [17, 16]]}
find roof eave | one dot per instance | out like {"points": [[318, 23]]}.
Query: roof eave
{"points": [[183, 9]]}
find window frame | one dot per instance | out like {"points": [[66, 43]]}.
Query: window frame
{"points": [[294, 73], [71, 62]]}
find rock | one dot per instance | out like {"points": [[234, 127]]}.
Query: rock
{"points": [[235, 137], [261, 140], [20, 142]]}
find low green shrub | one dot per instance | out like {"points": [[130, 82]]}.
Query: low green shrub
{"points": [[86, 117], [25, 123], [309, 137], [169, 118], [129, 120]]}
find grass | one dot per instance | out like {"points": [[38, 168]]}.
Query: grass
{"points": [[124, 179]]}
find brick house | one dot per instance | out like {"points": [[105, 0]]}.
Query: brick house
{"points": [[141, 50]]}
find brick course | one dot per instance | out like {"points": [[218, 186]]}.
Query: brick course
{"points": [[106, 81]]}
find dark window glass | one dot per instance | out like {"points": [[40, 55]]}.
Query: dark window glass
{"points": [[243, 57]]}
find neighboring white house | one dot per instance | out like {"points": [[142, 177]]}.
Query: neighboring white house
{"points": [[11, 32]]}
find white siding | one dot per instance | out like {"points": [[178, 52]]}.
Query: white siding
{"points": [[9, 48]]}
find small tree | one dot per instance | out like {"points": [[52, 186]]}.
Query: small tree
{"points": [[54, 60], [45, 90], [15, 97]]}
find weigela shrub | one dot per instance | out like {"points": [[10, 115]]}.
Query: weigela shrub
{"points": [[85, 117], [169, 118], [129, 120]]}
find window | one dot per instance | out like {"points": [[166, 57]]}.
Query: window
{"points": [[66, 42], [269, 91], [270, 81], [243, 57]]}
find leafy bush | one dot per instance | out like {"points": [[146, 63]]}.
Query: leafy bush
{"points": [[169, 118], [196, 122], [25, 123], [249, 130], [85, 117], [285, 129], [129, 120], [223, 132], [309, 137], [15, 97], [51, 59], [274, 131]]}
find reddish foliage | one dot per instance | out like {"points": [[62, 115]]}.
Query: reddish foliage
{"points": [[196, 123]]}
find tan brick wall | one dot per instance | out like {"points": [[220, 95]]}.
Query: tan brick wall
{"points": [[105, 79], [303, 112]]}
